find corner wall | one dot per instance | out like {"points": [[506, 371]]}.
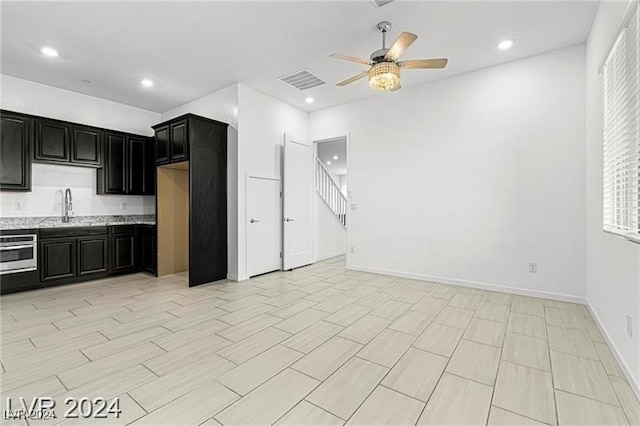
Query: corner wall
{"points": [[613, 264], [482, 174], [49, 181]]}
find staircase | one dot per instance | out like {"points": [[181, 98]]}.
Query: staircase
{"points": [[330, 193]]}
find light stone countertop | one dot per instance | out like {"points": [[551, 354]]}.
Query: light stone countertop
{"points": [[36, 222]]}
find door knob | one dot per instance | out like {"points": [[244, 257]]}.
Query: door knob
{"points": [[289, 219], [254, 220]]}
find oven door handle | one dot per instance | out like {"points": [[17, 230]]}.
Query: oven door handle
{"points": [[18, 247]]}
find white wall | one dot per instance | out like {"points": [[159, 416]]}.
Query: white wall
{"points": [[469, 178], [222, 105], [330, 237], [613, 264], [50, 180], [262, 123]]}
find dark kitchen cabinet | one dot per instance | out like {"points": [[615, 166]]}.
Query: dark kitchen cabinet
{"points": [[123, 253], [128, 165], [93, 255], [112, 177], [179, 146], [15, 152], [172, 142], [203, 143], [147, 248], [81, 253], [57, 259], [86, 146], [122, 240], [162, 144], [51, 141], [141, 167], [59, 142]]}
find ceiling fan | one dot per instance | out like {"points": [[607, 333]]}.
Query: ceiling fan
{"points": [[384, 71]]}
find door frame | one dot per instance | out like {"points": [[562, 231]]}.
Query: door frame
{"points": [[315, 142], [256, 175]]}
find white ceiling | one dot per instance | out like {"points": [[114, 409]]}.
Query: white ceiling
{"points": [[193, 48]]}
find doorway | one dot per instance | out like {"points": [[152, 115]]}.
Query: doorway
{"points": [[331, 198]]}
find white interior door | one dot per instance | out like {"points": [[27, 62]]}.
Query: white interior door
{"points": [[298, 202], [264, 225]]}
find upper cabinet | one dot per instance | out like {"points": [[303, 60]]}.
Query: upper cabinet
{"points": [[162, 144], [172, 142], [129, 167], [61, 142], [125, 162], [15, 156], [86, 146]]}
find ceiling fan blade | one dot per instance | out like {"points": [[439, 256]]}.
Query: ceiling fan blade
{"points": [[404, 40], [350, 58], [424, 63], [354, 78]]}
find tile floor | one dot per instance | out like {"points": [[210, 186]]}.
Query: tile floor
{"points": [[319, 345]]}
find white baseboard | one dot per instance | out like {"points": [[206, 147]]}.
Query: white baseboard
{"points": [[624, 367], [331, 255], [233, 277], [475, 284]]}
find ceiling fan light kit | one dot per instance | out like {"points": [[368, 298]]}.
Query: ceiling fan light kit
{"points": [[384, 71], [385, 76]]}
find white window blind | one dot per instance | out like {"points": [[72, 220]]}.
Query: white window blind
{"points": [[621, 165]]}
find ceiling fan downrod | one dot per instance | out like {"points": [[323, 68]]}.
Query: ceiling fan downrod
{"points": [[383, 27]]}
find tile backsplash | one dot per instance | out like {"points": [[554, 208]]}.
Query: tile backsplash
{"points": [[47, 195]]}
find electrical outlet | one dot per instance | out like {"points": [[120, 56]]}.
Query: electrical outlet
{"points": [[354, 206], [124, 205], [19, 205], [533, 267], [629, 326], [352, 249]]}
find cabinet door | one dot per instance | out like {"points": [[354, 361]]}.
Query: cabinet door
{"points": [[149, 168], [136, 165], [15, 160], [57, 259], [51, 141], [147, 253], [179, 141], [162, 144], [86, 146], [115, 160], [123, 252], [93, 255]]}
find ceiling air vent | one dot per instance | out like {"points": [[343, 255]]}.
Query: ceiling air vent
{"points": [[302, 80], [380, 3]]}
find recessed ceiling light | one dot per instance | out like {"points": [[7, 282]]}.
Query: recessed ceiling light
{"points": [[309, 100], [49, 51], [146, 82], [328, 163], [335, 157], [505, 44]]}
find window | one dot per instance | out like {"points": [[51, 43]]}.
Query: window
{"points": [[621, 165]]}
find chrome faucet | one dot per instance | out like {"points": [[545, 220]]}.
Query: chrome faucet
{"points": [[68, 205]]}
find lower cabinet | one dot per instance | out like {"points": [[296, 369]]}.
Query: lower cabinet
{"points": [[57, 259], [69, 255], [93, 255], [147, 248], [123, 252]]}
